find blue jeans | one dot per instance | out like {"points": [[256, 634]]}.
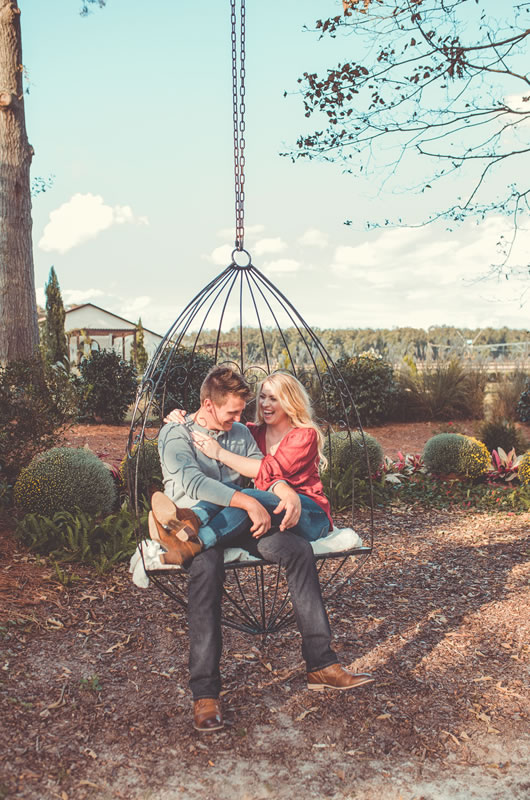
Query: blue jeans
{"points": [[224, 524]]}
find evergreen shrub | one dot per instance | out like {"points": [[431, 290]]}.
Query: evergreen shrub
{"points": [[149, 470], [63, 479], [370, 381], [180, 384], [106, 385], [453, 452], [36, 402], [501, 433]]}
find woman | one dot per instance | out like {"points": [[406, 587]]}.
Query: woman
{"points": [[291, 443]]}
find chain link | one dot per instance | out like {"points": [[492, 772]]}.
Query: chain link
{"points": [[238, 115]]}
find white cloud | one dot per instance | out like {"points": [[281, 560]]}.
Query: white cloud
{"points": [[271, 245], [313, 238], [83, 217], [282, 265], [132, 308], [222, 255], [71, 297]]}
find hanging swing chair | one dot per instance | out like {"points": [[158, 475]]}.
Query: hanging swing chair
{"points": [[242, 320]]}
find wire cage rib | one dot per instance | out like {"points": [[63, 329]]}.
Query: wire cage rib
{"points": [[265, 333]]}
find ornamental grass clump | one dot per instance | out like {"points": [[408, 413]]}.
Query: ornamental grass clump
{"points": [[341, 454], [454, 452], [63, 479]]}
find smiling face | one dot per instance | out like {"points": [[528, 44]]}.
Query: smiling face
{"points": [[270, 406], [221, 417]]}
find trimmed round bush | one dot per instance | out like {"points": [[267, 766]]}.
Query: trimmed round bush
{"points": [[65, 478], [454, 452], [524, 469], [342, 453], [149, 469]]}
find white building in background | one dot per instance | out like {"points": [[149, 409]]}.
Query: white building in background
{"points": [[90, 327]]}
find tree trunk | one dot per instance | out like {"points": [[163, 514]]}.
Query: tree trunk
{"points": [[19, 335]]}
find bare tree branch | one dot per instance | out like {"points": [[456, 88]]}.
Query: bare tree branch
{"points": [[426, 90]]}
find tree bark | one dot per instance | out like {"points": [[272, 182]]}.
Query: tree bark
{"points": [[19, 335]]}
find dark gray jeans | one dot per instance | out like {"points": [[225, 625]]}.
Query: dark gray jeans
{"points": [[295, 555]]}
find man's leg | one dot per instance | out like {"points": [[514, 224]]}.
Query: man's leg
{"points": [[205, 587], [296, 556]]}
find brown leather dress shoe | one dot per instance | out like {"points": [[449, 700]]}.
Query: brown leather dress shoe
{"points": [[182, 522], [207, 715], [336, 677], [178, 552]]}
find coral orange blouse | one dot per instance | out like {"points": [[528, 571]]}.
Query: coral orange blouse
{"points": [[295, 461]]}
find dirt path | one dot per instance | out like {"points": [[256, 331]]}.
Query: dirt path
{"points": [[95, 701]]}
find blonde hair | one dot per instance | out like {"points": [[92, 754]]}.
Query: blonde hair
{"points": [[296, 403]]}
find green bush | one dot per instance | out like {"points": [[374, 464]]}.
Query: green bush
{"points": [[342, 453], [35, 404], [370, 381], [502, 434], [63, 479], [442, 390], [183, 373], [453, 452], [106, 386], [523, 405], [149, 470], [78, 537]]}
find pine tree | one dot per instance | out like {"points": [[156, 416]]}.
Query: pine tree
{"points": [[141, 352], [55, 345]]}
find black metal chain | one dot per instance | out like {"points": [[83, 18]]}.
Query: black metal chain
{"points": [[238, 106]]}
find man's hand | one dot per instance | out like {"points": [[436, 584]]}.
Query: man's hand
{"points": [[259, 516], [261, 521]]}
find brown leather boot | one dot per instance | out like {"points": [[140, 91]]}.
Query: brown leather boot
{"points": [[178, 552], [183, 522], [336, 677], [207, 716]]}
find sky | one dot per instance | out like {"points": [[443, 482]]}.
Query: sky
{"points": [[129, 113]]}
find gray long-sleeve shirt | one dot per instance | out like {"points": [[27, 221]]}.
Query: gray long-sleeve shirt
{"points": [[189, 475]]}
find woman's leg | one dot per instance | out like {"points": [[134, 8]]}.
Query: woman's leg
{"points": [[313, 522]]}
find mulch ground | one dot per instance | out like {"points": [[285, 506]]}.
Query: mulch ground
{"points": [[95, 703], [94, 677]]}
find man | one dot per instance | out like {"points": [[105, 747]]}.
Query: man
{"points": [[225, 511]]}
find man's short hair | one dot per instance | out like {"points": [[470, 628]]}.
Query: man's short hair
{"points": [[222, 381]]}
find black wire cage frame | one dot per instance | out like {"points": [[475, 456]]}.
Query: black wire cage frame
{"points": [[243, 303]]}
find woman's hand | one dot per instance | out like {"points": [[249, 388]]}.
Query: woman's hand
{"points": [[177, 415], [207, 445]]}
